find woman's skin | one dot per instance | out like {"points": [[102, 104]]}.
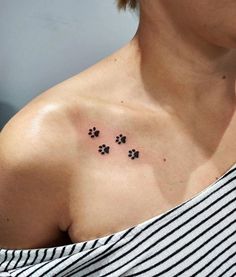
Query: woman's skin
{"points": [[170, 91]]}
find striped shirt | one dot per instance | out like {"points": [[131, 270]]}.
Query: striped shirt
{"points": [[195, 238]]}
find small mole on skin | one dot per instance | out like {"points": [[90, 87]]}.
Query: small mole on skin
{"points": [[216, 178], [223, 77], [115, 59], [122, 101], [164, 159]]}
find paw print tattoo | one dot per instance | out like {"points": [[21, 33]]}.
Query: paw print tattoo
{"points": [[133, 154], [103, 149], [120, 139], [93, 132]]}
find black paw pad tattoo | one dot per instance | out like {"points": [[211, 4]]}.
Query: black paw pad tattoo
{"points": [[93, 132], [120, 139], [103, 149], [133, 154]]}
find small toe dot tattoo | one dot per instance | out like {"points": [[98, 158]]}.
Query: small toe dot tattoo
{"points": [[120, 139], [93, 132], [103, 149], [133, 154]]}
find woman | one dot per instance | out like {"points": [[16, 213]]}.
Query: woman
{"points": [[141, 135]]}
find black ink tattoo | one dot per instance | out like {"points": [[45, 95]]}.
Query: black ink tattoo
{"points": [[93, 132], [120, 139], [104, 149], [133, 154]]}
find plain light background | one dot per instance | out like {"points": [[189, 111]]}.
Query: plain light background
{"points": [[44, 42]]}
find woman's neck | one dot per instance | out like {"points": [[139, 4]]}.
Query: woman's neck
{"points": [[176, 65]]}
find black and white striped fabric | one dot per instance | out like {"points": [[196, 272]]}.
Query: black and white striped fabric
{"points": [[196, 238]]}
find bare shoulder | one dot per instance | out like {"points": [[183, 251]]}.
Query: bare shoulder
{"points": [[35, 171], [39, 155]]}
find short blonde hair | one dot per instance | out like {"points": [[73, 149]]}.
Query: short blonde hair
{"points": [[122, 4]]}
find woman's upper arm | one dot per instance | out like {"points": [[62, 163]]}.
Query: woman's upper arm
{"points": [[33, 181]]}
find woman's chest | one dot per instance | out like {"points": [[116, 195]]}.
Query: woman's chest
{"points": [[115, 192], [126, 177]]}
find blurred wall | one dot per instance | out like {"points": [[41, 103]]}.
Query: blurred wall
{"points": [[44, 42]]}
